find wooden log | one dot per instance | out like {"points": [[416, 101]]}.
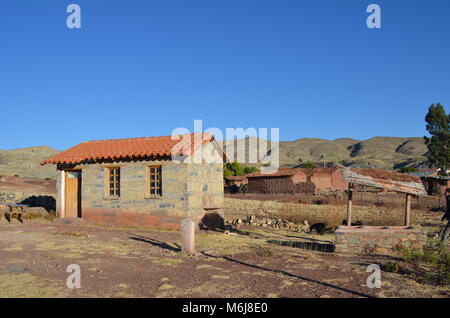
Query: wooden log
{"points": [[408, 209], [415, 188]]}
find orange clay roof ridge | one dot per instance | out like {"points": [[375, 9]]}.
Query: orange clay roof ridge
{"points": [[127, 148], [142, 138]]}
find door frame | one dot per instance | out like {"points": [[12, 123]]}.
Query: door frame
{"points": [[64, 174]]}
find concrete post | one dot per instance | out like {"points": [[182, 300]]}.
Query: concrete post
{"points": [[188, 236]]}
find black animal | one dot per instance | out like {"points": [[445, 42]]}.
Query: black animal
{"points": [[357, 223], [318, 228]]}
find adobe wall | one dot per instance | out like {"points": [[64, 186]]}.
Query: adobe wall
{"points": [[276, 185], [377, 239], [337, 181], [322, 181]]}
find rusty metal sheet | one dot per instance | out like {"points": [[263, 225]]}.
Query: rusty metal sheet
{"points": [[415, 188]]}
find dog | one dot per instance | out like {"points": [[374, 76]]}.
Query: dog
{"points": [[318, 228], [357, 223]]}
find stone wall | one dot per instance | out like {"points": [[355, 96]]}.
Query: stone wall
{"points": [[135, 206], [331, 215], [187, 189], [377, 239], [18, 196]]}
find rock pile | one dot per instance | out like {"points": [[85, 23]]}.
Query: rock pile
{"points": [[275, 223]]}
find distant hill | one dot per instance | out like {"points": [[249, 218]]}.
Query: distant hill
{"points": [[376, 152], [25, 162]]}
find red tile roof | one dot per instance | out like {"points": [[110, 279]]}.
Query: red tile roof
{"points": [[131, 148]]}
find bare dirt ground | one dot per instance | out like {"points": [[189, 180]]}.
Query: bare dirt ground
{"points": [[126, 262]]}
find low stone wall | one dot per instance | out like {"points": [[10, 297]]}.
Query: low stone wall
{"points": [[18, 196], [330, 215], [377, 239]]}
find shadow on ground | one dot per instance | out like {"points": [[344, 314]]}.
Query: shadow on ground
{"points": [[280, 271], [154, 242], [312, 246]]}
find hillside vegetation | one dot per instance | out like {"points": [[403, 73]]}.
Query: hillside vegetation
{"points": [[25, 162], [377, 152]]}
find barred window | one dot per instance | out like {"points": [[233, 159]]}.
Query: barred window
{"points": [[114, 182], [155, 179]]}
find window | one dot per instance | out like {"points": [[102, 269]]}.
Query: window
{"points": [[154, 177], [114, 182]]}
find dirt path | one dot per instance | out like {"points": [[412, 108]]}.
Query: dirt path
{"points": [[142, 263]]}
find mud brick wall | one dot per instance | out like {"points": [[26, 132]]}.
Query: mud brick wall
{"points": [[279, 185], [377, 240]]}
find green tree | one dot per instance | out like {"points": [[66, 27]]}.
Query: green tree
{"points": [[250, 169], [308, 165], [408, 169], [233, 169], [438, 123]]}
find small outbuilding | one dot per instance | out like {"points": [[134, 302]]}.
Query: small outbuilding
{"points": [[297, 180], [285, 180], [146, 182], [380, 239]]}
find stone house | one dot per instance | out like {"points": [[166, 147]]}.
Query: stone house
{"points": [[146, 182], [297, 180]]}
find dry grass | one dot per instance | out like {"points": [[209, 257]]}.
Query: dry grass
{"points": [[39, 214], [388, 210]]}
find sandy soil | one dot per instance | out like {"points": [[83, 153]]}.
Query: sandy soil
{"points": [[125, 262]]}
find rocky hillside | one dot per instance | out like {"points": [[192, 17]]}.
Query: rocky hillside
{"points": [[376, 152], [25, 162]]}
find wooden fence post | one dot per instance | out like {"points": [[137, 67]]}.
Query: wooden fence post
{"points": [[408, 209], [349, 204]]}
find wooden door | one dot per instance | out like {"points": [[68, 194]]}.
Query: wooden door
{"points": [[73, 194]]}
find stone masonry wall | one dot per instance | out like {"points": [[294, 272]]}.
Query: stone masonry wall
{"points": [[377, 239], [187, 188], [331, 215]]}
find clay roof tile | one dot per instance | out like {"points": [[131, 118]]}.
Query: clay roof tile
{"points": [[131, 147]]}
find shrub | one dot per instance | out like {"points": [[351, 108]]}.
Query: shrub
{"points": [[436, 256], [408, 169], [250, 169], [308, 165], [391, 267]]}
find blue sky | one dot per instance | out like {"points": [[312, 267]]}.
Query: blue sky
{"points": [[145, 67]]}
